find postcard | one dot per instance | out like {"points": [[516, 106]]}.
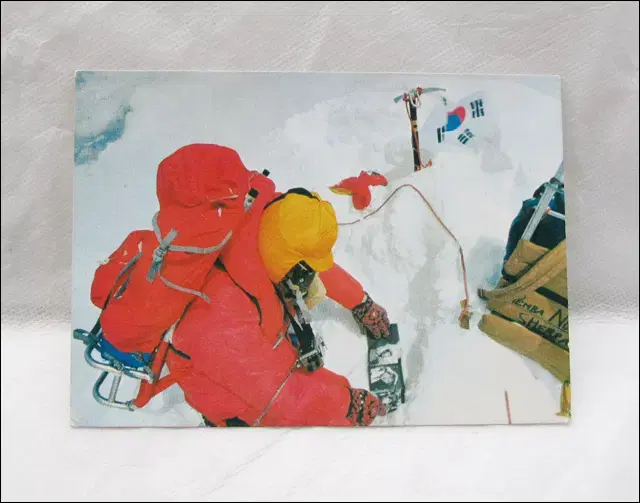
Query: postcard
{"points": [[318, 249]]}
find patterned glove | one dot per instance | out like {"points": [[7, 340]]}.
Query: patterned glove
{"points": [[372, 317], [364, 408]]}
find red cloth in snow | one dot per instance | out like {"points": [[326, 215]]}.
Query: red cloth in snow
{"points": [[358, 188]]}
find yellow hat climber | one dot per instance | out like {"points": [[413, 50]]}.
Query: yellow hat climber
{"points": [[294, 227]]}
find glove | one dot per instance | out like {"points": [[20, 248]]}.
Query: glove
{"points": [[372, 317], [364, 408]]}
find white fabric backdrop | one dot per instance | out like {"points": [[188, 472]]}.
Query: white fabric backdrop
{"points": [[592, 46]]}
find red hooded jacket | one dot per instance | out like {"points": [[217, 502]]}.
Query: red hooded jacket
{"points": [[239, 364]]}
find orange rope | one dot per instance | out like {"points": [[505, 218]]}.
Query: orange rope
{"points": [[466, 303], [273, 398]]}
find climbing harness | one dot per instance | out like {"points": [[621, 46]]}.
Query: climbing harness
{"points": [[310, 346]]}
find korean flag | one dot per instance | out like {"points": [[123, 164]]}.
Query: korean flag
{"points": [[468, 123]]}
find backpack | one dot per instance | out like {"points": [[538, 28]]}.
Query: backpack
{"points": [[205, 195]]}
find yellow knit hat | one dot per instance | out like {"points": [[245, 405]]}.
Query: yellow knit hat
{"points": [[294, 228]]}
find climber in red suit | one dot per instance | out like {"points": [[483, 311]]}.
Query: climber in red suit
{"points": [[241, 367], [234, 356]]}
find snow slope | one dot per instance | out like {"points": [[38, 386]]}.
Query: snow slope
{"points": [[313, 131]]}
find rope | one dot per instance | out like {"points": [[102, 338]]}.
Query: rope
{"points": [[273, 399], [465, 315]]}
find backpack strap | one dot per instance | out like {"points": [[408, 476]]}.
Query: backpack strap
{"points": [[164, 243], [124, 270], [165, 246], [200, 250], [170, 284]]}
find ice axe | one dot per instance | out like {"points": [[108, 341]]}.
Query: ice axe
{"points": [[412, 101]]}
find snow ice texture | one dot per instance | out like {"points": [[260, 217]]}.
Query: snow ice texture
{"points": [[314, 130]]}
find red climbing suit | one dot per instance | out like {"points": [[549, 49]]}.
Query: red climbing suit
{"points": [[238, 359]]}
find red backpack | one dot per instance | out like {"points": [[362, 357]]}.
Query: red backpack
{"points": [[204, 193], [149, 280]]}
